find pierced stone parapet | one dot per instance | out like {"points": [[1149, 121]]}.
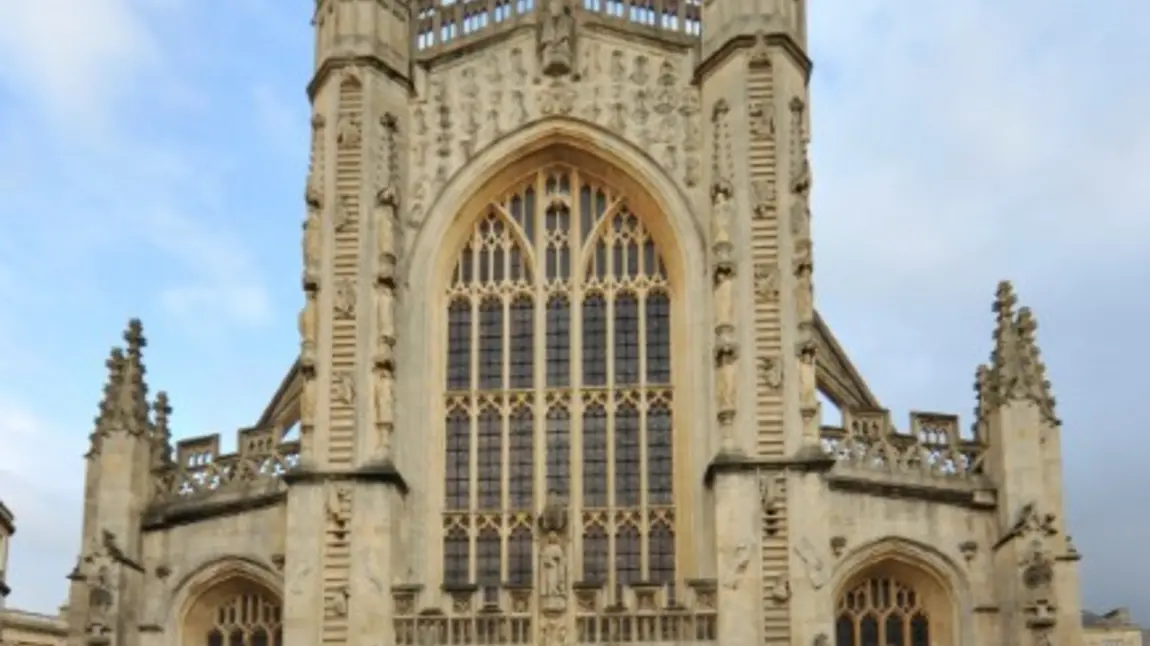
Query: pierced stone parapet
{"points": [[933, 447], [443, 27], [200, 470]]}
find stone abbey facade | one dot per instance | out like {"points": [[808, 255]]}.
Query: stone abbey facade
{"points": [[560, 372]]}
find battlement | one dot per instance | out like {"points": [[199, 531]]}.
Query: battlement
{"points": [[648, 613], [199, 470], [442, 27], [931, 448]]}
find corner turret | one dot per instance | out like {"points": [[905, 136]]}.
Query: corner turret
{"points": [[108, 576], [1035, 562]]}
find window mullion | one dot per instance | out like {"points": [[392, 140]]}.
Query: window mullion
{"points": [[539, 276]]}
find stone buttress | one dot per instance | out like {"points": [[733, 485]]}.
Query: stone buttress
{"points": [[340, 569], [753, 74]]}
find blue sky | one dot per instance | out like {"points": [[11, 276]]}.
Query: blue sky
{"points": [[151, 164]]}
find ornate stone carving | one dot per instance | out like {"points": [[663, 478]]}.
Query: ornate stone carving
{"points": [[767, 283], [308, 324], [817, 572], [384, 411], [557, 39], [312, 245], [772, 494], [738, 559], [553, 588], [838, 545], [770, 373], [349, 131], [780, 591], [343, 388], [343, 213], [337, 509], [335, 606], [345, 297]]}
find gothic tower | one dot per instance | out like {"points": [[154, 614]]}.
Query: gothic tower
{"points": [[340, 568], [753, 76]]}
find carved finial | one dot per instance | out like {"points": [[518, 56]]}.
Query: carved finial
{"points": [[161, 432], [1016, 370], [133, 396]]}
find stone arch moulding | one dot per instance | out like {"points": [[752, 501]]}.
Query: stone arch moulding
{"points": [[597, 142], [427, 267], [938, 569], [207, 576]]}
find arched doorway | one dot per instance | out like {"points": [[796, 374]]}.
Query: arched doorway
{"points": [[891, 603], [235, 612]]}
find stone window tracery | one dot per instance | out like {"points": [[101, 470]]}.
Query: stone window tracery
{"points": [[558, 384], [249, 619], [882, 611]]}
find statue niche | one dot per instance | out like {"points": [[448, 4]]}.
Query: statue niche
{"points": [[557, 39], [553, 559]]}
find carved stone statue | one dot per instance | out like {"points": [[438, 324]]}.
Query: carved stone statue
{"points": [[385, 316], [101, 599], [552, 575], [557, 39], [312, 246], [307, 332]]}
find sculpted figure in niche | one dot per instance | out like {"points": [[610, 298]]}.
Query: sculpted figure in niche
{"points": [[307, 331], [553, 575], [557, 39], [312, 246], [101, 598]]}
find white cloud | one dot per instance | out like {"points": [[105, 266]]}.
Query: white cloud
{"points": [[74, 57]]}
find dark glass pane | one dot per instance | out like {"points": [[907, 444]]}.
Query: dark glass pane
{"points": [[595, 457], [517, 265], [488, 558], [529, 213], [586, 217], [521, 479], [650, 259], [661, 548], [868, 631], [519, 558], [600, 270], [236, 638], [632, 250], [594, 340], [658, 315], [279, 637], [626, 339], [259, 637], [627, 457], [490, 460], [490, 345], [458, 460], [522, 343], [459, 345], [895, 636], [660, 469], [215, 638], [845, 631], [558, 452], [558, 343], [595, 555], [628, 556], [919, 631], [456, 552], [467, 265]]}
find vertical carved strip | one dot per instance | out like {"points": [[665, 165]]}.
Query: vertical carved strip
{"points": [[765, 256], [387, 205], [803, 267], [346, 227], [723, 270], [336, 574], [312, 270]]}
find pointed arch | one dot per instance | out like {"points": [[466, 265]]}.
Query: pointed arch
{"points": [[541, 158], [900, 591], [233, 600]]}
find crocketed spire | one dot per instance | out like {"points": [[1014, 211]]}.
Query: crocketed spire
{"points": [[1016, 371], [105, 419], [161, 432], [133, 399]]}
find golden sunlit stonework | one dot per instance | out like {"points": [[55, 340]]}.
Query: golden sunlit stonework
{"points": [[561, 377]]}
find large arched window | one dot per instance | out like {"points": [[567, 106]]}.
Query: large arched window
{"points": [[558, 384]]}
